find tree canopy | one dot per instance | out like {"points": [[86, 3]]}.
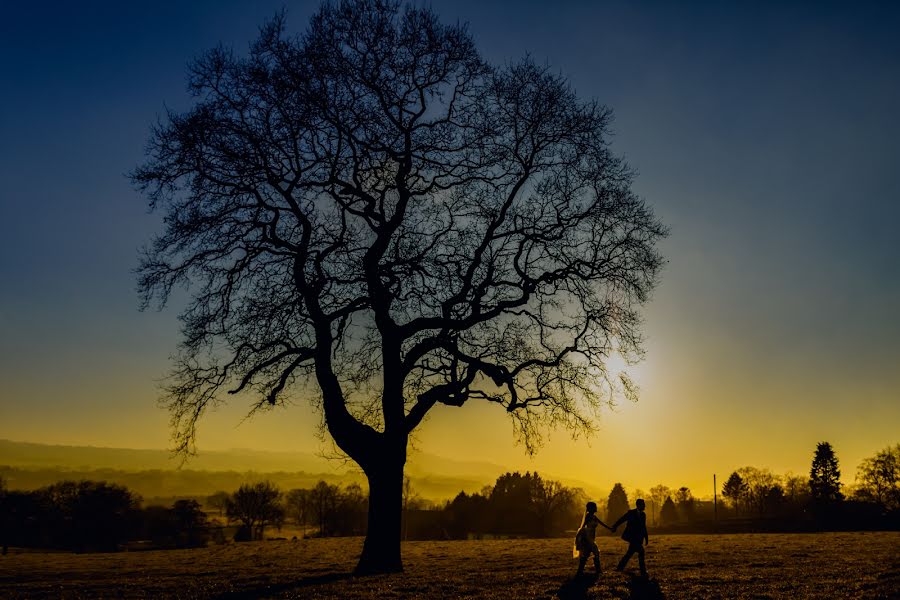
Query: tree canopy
{"points": [[825, 475], [372, 217]]}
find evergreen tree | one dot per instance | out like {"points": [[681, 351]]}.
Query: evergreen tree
{"points": [[617, 504], [825, 475], [668, 514], [735, 489]]}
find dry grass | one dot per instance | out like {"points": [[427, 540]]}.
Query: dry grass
{"points": [[830, 565]]}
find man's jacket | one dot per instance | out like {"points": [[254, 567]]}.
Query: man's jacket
{"points": [[635, 528]]}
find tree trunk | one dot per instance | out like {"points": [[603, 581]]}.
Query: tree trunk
{"points": [[381, 550]]}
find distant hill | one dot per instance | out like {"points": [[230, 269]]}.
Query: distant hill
{"points": [[28, 454], [157, 473]]}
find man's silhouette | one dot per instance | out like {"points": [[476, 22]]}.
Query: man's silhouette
{"points": [[635, 534]]}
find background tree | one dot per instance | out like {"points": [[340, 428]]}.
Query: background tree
{"points": [[325, 499], [760, 485], [372, 209], [191, 522], [735, 490], [218, 501], [255, 506], [298, 506], [5, 518], [878, 478], [409, 499], [88, 515], [617, 502], [658, 495], [668, 514], [511, 502], [796, 492], [556, 506], [825, 476], [685, 502], [352, 508]]}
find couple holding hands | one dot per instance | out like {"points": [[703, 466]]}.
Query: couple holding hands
{"points": [[635, 534]]}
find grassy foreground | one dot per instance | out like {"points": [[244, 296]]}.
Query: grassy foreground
{"points": [[827, 565]]}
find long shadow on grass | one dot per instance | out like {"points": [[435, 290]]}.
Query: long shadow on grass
{"points": [[643, 588], [277, 588], [576, 588], [639, 588]]}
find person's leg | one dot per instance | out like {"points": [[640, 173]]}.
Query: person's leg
{"points": [[582, 560], [640, 553], [625, 558], [596, 553]]}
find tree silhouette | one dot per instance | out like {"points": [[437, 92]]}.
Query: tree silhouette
{"points": [[825, 476], [617, 502], [5, 518], [658, 495], [88, 515], [735, 490], [191, 523], [685, 500], [553, 503], [372, 217], [218, 501], [879, 478], [298, 505], [796, 491], [759, 483], [255, 506], [668, 514]]}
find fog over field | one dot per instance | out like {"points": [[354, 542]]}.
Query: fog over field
{"points": [[157, 474]]}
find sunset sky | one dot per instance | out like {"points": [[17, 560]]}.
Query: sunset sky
{"points": [[766, 136]]}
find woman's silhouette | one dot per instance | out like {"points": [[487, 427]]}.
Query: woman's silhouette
{"points": [[584, 538]]}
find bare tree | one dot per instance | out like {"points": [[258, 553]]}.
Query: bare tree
{"points": [[758, 484], [218, 501], [373, 218], [879, 478], [256, 506], [298, 505], [554, 503]]}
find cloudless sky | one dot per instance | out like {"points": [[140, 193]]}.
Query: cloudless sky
{"points": [[766, 135]]}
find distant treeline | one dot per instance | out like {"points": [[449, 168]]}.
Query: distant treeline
{"points": [[91, 516], [516, 505], [753, 499], [85, 516], [101, 516]]}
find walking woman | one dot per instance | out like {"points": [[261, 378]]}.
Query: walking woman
{"points": [[584, 539]]}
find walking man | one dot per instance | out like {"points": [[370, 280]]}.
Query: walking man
{"points": [[635, 534]]}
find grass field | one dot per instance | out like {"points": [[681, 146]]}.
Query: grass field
{"points": [[828, 565]]}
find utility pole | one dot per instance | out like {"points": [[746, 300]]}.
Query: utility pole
{"points": [[715, 506]]}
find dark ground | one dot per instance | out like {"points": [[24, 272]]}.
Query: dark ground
{"points": [[826, 565]]}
